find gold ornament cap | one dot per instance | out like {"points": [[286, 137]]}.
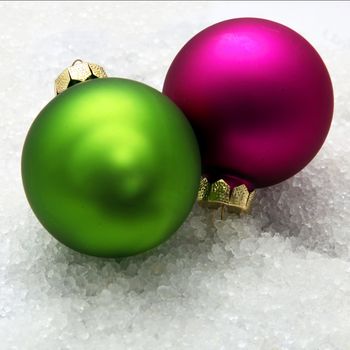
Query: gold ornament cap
{"points": [[78, 72], [219, 194]]}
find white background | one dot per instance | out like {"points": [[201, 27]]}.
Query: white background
{"points": [[278, 279]]}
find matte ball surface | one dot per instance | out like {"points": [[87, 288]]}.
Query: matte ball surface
{"points": [[111, 167], [259, 97]]}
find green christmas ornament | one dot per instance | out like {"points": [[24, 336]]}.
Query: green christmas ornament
{"points": [[110, 166]]}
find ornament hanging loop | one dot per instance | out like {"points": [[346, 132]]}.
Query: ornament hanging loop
{"points": [[76, 61]]}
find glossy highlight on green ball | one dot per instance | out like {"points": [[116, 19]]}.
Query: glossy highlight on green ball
{"points": [[111, 167]]}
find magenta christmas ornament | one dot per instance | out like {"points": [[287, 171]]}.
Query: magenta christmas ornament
{"points": [[260, 100]]}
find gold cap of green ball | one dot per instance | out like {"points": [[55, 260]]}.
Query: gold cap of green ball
{"points": [[78, 72]]}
